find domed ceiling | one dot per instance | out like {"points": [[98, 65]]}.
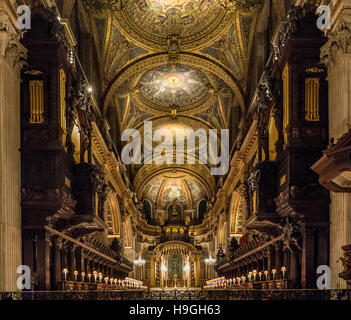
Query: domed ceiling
{"points": [[163, 189], [174, 86], [152, 22], [162, 56]]}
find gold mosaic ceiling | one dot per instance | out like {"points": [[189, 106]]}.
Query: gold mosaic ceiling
{"points": [[161, 55], [152, 22], [174, 86]]}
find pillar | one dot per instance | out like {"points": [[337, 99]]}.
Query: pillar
{"points": [[336, 55], [57, 270], [152, 273], [11, 62], [197, 272], [278, 259]]}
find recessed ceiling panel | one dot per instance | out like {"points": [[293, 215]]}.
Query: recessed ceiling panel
{"points": [[174, 86]]}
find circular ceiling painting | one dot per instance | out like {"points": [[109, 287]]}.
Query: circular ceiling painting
{"points": [[174, 86], [152, 22]]}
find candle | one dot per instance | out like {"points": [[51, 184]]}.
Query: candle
{"points": [[100, 277], [260, 275], [95, 275], [75, 275], [254, 274], [249, 276], [106, 280], [89, 277], [83, 276]]}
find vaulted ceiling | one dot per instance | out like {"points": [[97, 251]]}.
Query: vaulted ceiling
{"points": [[176, 63]]}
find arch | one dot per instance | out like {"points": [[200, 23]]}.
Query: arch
{"points": [[147, 209], [222, 233], [195, 60], [128, 234], [113, 216], [237, 216], [201, 209]]}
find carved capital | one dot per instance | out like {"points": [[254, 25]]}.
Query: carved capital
{"points": [[11, 50], [339, 44]]}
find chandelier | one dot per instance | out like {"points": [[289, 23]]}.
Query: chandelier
{"points": [[210, 261], [139, 261], [243, 5]]}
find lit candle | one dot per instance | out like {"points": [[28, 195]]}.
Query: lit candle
{"points": [[95, 275], [100, 277], [115, 281], [106, 280], [243, 279], [83, 276], [65, 271], [283, 270], [260, 275], [254, 274], [75, 275], [239, 279], [249, 276]]}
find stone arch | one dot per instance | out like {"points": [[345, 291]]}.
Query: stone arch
{"points": [[128, 234], [113, 216], [237, 216]]}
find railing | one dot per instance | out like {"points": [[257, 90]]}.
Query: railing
{"points": [[278, 294], [213, 294]]}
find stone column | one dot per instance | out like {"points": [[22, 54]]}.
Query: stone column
{"points": [[278, 259], [57, 270], [12, 54], [336, 55]]}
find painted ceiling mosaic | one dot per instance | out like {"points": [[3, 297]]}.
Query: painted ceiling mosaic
{"points": [[174, 85], [163, 189], [169, 17]]}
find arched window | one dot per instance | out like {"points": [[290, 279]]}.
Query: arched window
{"points": [[179, 211], [112, 216], [202, 209], [147, 209], [238, 214]]}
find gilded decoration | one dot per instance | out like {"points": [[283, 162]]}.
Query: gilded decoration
{"points": [[174, 85], [152, 23]]}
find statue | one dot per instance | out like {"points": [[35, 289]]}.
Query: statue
{"points": [[220, 254]]}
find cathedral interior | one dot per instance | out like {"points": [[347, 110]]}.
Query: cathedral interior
{"points": [[92, 201]]}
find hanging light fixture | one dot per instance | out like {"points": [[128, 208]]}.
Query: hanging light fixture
{"points": [[243, 5], [210, 261], [139, 261]]}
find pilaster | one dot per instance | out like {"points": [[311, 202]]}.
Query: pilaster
{"points": [[336, 55], [12, 55]]}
